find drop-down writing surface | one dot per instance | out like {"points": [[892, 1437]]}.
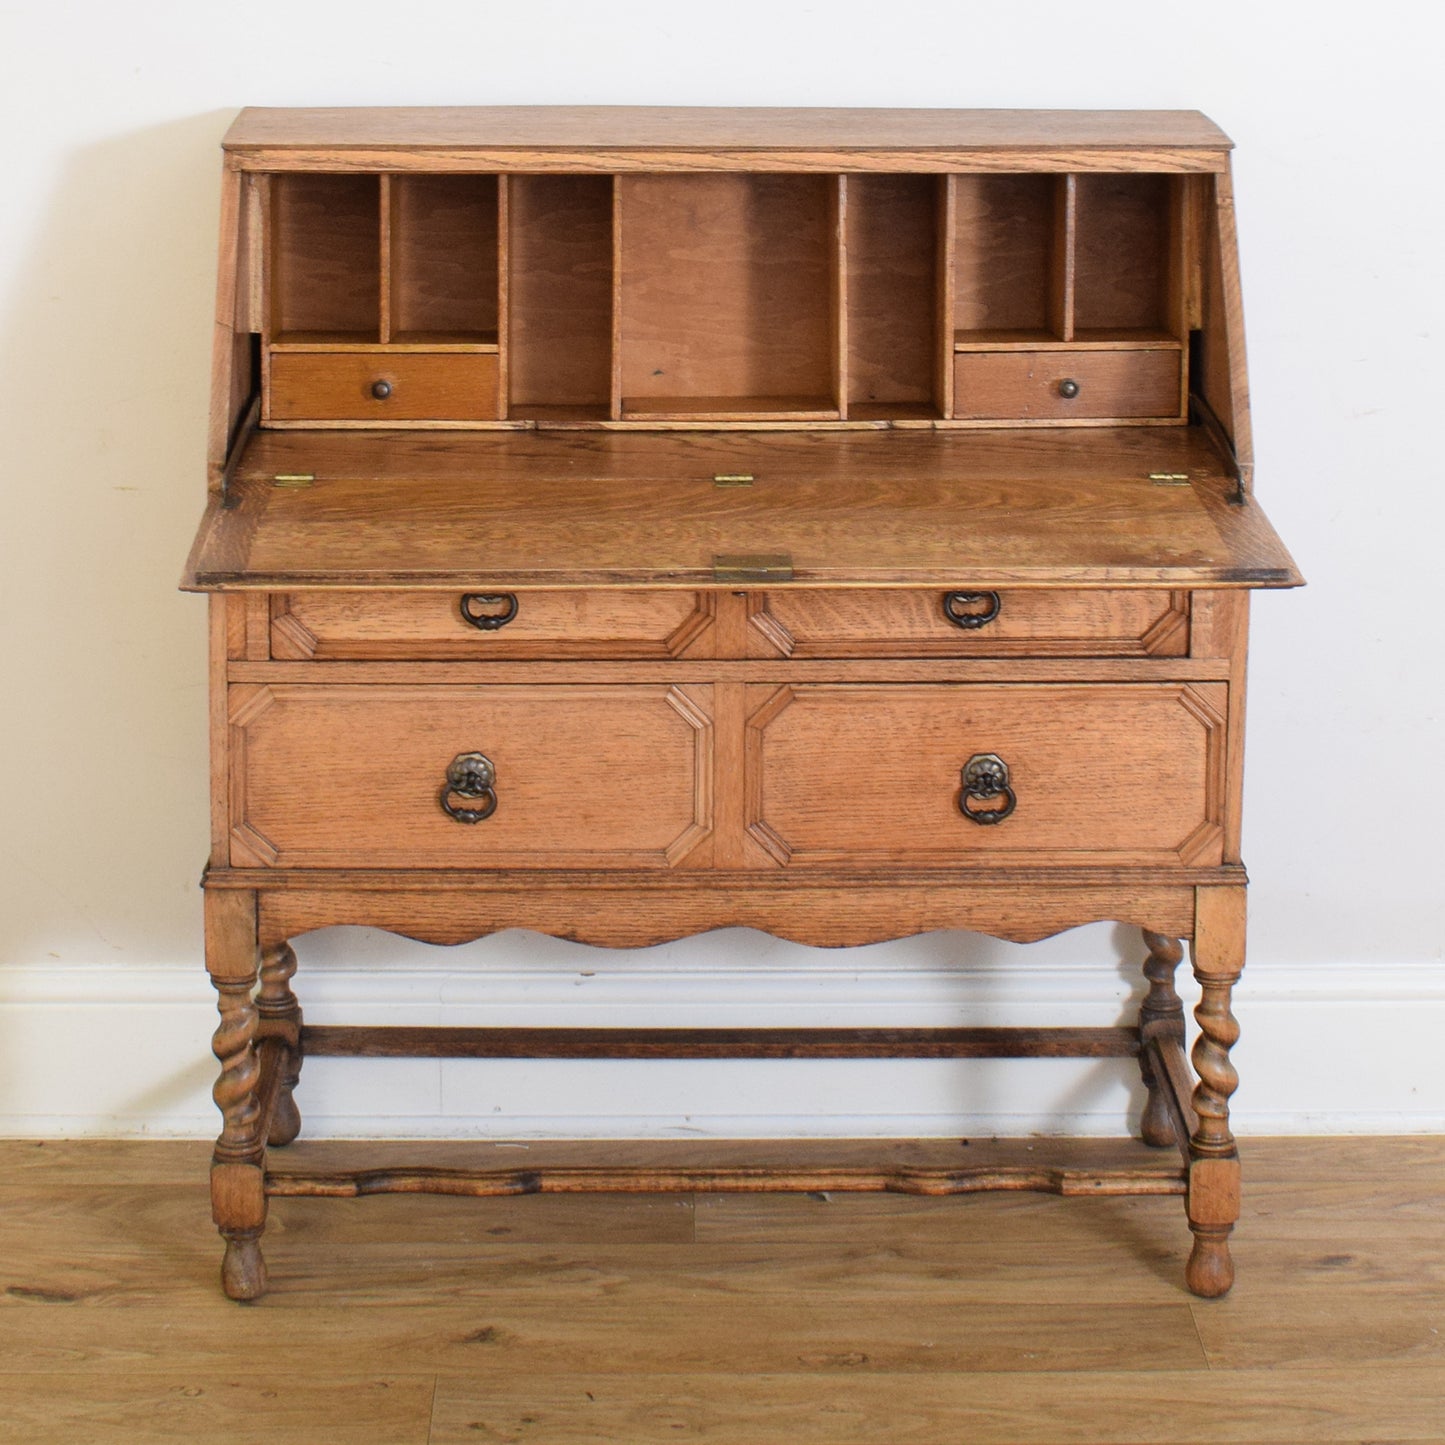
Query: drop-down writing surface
{"points": [[535, 508]]}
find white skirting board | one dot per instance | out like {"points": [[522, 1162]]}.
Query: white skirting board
{"points": [[123, 1052]]}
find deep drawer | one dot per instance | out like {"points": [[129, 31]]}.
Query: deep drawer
{"points": [[1066, 385], [476, 626], [376, 777], [1104, 774], [382, 387], [895, 622]]}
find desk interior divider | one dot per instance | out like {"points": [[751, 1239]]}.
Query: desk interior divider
{"points": [[728, 297]]}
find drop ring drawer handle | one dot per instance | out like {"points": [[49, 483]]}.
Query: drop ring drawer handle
{"points": [[470, 775], [959, 608], [476, 605], [985, 777]]}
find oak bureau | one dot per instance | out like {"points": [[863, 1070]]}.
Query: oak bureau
{"points": [[625, 523]]}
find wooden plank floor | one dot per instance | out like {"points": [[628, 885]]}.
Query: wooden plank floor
{"points": [[747, 1319]]}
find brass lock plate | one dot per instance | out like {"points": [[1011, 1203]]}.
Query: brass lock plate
{"points": [[752, 567]]}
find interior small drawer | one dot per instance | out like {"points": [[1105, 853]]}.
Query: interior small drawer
{"points": [[1064, 385], [383, 386], [478, 626], [872, 775], [1018, 622], [452, 776]]}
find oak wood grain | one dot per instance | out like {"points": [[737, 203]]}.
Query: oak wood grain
{"points": [[1014, 384], [521, 1331], [443, 259], [1111, 1408], [1009, 1317], [529, 1179], [411, 626], [616, 137], [204, 1403], [631, 910], [849, 774], [232, 382], [882, 507], [890, 299], [1004, 668], [1003, 252], [353, 776], [420, 386], [1122, 269], [404, 1041], [325, 247], [725, 290], [560, 292], [896, 622]]}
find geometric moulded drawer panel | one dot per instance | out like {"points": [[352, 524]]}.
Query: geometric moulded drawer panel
{"points": [[535, 777], [1085, 774], [1028, 622], [478, 626]]}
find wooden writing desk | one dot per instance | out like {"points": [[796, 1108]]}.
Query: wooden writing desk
{"points": [[625, 523]]}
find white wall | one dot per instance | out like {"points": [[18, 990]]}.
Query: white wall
{"points": [[107, 228]]}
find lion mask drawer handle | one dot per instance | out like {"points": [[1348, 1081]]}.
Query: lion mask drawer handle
{"points": [[959, 608], [477, 609], [470, 775], [985, 777]]}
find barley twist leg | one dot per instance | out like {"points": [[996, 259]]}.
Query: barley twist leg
{"points": [[238, 1198], [1213, 1199]]}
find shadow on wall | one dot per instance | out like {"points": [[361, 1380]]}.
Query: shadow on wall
{"points": [[104, 361]]}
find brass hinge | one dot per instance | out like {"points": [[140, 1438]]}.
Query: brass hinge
{"points": [[752, 567], [732, 479], [293, 479], [1169, 479]]}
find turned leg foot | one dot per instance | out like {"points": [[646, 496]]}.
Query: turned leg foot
{"points": [[1161, 1013], [1210, 1270], [243, 1269]]}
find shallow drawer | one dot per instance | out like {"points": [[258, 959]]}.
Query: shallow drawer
{"points": [[383, 777], [1066, 385], [475, 626], [383, 386], [1058, 774], [1021, 622]]}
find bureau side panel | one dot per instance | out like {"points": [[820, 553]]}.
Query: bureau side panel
{"points": [[1221, 634]]}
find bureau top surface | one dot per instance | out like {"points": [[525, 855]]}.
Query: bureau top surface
{"points": [[262, 135], [566, 508]]}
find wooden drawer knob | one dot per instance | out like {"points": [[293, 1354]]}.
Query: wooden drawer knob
{"points": [[971, 610], [381, 389], [488, 611], [985, 777], [470, 775]]}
